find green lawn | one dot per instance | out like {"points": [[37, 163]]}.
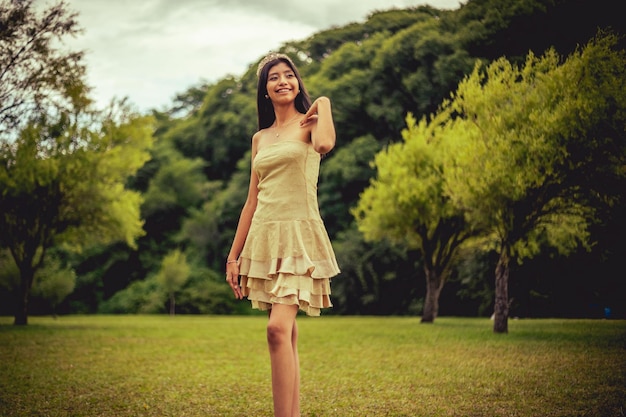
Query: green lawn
{"points": [[351, 366]]}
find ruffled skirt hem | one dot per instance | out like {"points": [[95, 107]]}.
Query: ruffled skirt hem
{"points": [[309, 294]]}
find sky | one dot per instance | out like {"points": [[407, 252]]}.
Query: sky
{"points": [[151, 50]]}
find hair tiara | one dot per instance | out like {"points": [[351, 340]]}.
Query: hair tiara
{"points": [[272, 56]]}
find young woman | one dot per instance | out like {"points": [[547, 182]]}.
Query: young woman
{"points": [[281, 250]]}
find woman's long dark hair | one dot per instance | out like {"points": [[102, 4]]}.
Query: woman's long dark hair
{"points": [[265, 108]]}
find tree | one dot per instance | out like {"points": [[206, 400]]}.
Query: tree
{"points": [[173, 275], [526, 141], [36, 75], [407, 203], [63, 165], [63, 184]]}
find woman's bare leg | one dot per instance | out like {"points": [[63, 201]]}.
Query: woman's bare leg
{"points": [[285, 370], [296, 392]]}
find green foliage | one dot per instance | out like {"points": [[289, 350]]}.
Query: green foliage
{"points": [[76, 182], [37, 74], [345, 76], [63, 183], [173, 275], [415, 69], [522, 139], [201, 228], [142, 297], [342, 178], [500, 155], [209, 230], [473, 275], [203, 292], [54, 281], [9, 273], [325, 43], [188, 102], [377, 278], [178, 184], [406, 202], [220, 130]]}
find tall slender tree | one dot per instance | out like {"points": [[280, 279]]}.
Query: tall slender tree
{"points": [[526, 139], [173, 275], [406, 203]]}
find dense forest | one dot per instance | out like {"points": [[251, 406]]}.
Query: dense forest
{"points": [[398, 67]]}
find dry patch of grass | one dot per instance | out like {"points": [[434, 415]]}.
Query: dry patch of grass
{"points": [[351, 366]]}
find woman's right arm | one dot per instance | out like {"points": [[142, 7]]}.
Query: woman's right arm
{"points": [[245, 219]]}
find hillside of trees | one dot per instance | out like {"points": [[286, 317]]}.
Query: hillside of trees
{"points": [[398, 63]]}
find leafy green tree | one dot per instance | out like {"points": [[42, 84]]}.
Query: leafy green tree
{"points": [[407, 203], [101, 271], [201, 230], [173, 275], [525, 139], [62, 165], [63, 184]]}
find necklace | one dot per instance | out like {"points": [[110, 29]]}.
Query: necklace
{"points": [[288, 122]]}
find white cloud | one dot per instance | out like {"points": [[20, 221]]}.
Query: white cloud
{"points": [[151, 50]]}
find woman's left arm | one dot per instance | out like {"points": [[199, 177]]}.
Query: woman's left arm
{"points": [[323, 128]]}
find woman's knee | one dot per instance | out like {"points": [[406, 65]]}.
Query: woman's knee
{"points": [[278, 333]]}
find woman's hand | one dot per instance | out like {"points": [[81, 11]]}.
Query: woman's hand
{"points": [[232, 277], [313, 111]]}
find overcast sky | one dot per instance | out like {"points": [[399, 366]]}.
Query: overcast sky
{"points": [[150, 50]]}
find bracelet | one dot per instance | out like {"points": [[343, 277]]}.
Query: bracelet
{"points": [[232, 261]]}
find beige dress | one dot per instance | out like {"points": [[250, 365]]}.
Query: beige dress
{"points": [[287, 257]]}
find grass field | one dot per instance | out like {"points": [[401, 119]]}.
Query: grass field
{"points": [[351, 366]]}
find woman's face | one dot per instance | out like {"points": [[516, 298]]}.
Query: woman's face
{"points": [[282, 83]]}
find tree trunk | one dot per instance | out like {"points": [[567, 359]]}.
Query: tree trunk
{"points": [[501, 307], [26, 282], [431, 303]]}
